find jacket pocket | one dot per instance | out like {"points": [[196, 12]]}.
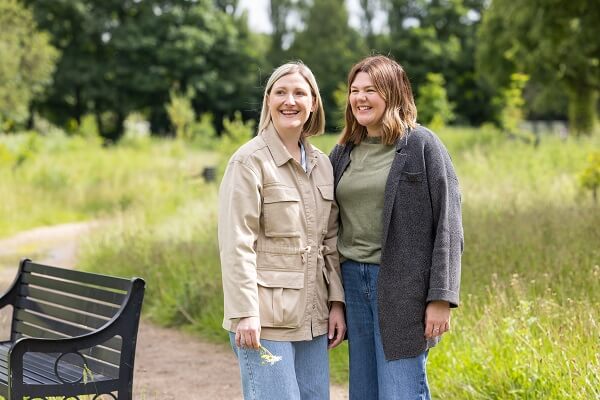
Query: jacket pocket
{"points": [[411, 176], [326, 200], [281, 298], [281, 211]]}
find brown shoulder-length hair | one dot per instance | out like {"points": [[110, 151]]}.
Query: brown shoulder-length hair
{"points": [[392, 84], [316, 121]]}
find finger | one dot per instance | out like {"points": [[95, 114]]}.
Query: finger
{"points": [[331, 332], [429, 330], [337, 338], [255, 339], [238, 338]]}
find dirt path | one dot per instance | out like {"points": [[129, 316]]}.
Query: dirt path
{"points": [[170, 364]]}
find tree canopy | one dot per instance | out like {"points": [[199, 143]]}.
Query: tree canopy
{"points": [[27, 64]]}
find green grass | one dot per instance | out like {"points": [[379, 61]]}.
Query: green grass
{"points": [[527, 327]]}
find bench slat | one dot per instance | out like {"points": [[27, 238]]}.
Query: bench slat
{"points": [[67, 301], [74, 288], [79, 276], [25, 330], [73, 316], [50, 324]]}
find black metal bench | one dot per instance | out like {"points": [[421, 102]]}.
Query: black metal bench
{"points": [[73, 333]]}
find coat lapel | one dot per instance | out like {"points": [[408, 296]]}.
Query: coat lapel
{"points": [[391, 186]]}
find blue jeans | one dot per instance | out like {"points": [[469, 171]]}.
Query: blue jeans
{"points": [[302, 373], [372, 377]]}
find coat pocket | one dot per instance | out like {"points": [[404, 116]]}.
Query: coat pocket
{"points": [[325, 202], [281, 298], [411, 176], [281, 211]]}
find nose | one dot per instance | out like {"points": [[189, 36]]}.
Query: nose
{"points": [[289, 99]]}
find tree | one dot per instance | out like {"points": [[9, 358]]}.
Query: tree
{"points": [[432, 102], [27, 64], [555, 42], [124, 56], [279, 12], [329, 46], [438, 36]]}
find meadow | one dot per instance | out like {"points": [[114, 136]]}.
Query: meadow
{"points": [[528, 325]]}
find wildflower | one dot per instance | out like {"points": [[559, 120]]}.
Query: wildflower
{"points": [[267, 357]]}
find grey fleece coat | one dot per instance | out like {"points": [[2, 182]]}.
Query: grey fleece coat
{"points": [[422, 239]]}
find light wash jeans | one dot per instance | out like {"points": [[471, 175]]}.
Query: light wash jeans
{"points": [[302, 373], [372, 377]]}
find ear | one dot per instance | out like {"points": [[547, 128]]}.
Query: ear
{"points": [[314, 105]]}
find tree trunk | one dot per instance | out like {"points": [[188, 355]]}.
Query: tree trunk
{"points": [[582, 109]]}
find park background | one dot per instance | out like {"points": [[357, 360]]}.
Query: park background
{"points": [[111, 110]]}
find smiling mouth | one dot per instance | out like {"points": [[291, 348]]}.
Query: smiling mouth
{"points": [[363, 108], [289, 112]]}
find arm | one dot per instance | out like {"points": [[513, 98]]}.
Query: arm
{"points": [[337, 323], [444, 280], [238, 227]]}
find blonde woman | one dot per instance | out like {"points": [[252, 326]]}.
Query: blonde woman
{"points": [[400, 234], [277, 238]]}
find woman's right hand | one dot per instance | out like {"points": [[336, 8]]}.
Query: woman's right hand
{"points": [[247, 333]]}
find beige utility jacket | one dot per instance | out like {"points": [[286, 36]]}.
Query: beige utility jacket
{"points": [[277, 239]]}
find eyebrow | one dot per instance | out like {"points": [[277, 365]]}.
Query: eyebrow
{"points": [[364, 87]]}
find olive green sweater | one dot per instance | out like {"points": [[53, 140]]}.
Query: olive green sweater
{"points": [[360, 198]]}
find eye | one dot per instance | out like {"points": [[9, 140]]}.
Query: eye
{"points": [[353, 91]]}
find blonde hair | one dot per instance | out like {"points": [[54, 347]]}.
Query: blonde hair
{"points": [[392, 84], [315, 125]]}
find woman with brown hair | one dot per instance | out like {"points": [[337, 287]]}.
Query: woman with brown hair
{"points": [[400, 235]]}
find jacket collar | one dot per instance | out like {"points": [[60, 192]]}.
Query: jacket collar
{"points": [[280, 153]]}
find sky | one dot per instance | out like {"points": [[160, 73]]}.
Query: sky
{"points": [[259, 18]]}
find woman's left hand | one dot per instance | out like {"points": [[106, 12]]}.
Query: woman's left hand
{"points": [[337, 324], [437, 318]]}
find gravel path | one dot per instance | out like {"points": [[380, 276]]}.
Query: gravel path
{"points": [[170, 364]]}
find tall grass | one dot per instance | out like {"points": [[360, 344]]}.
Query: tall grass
{"points": [[51, 179], [528, 323]]}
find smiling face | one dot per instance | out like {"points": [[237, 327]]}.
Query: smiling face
{"points": [[367, 104], [290, 103]]}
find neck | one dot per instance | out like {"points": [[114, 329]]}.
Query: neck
{"points": [[291, 142], [374, 132]]}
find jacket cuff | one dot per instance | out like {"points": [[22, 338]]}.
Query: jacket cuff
{"points": [[443, 295]]}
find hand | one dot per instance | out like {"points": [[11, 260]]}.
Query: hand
{"points": [[247, 333], [337, 324], [437, 319]]}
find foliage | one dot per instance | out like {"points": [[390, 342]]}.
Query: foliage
{"points": [[327, 20], [511, 103], [28, 61], [61, 178], [120, 57], [589, 178], [432, 103], [236, 133], [181, 113], [553, 42], [439, 37]]}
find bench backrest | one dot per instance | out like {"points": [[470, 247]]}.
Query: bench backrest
{"points": [[55, 303]]}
